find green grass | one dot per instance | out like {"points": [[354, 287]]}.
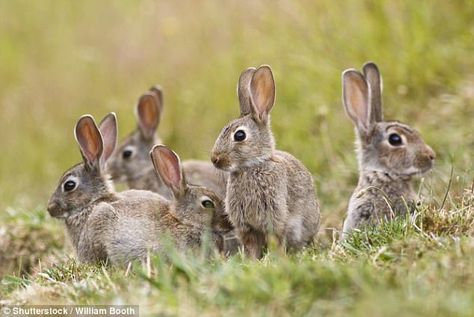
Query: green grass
{"points": [[61, 59], [403, 267]]}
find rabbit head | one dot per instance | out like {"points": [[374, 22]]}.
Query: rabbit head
{"points": [[195, 204], [86, 183], [385, 146], [131, 159], [248, 140]]}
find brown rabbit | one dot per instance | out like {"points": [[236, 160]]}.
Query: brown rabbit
{"points": [[84, 193], [131, 162], [101, 223], [389, 153], [269, 191], [192, 212]]}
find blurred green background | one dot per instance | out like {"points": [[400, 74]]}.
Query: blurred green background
{"points": [[62, 59]]}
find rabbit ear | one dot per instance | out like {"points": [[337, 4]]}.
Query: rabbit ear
{"points": [[356, 98], [168, 167], [158, 92], [90, 142], [373, 77], [148, 115], [262, 93], [243, 91], [108, 130]]}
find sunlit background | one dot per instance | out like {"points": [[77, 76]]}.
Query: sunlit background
{"points": [[62, 59]]}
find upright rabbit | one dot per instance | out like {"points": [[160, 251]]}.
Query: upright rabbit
{"points": [[131, 162], [389, 153], [269, 191]]}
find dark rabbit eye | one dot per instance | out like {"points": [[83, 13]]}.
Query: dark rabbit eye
{"points": [[239, 135], [126, 154], [207, 203], [395, 139], [69, 185]]}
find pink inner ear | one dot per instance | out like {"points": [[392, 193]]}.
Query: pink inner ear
{"points": [[170, 167], [356, 96], [148, 111], [262, 89], [89, 139]]}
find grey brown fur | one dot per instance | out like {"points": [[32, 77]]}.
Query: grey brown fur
{"points": [[384, 189], [137, 170], [105, 225], [269, 192]]}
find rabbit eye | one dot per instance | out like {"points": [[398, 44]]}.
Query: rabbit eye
{"points": [[239, 135], [207, 203], [69, 185], [395, 139], [127, 153]]}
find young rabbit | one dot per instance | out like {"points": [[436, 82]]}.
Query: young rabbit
{"points": [[389, 153], [268, 191], [131, 162], [102, 224], [85, 197], [192, 212]]}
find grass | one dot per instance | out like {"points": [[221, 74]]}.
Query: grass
{"points": [[59, 60], [399, 268]]}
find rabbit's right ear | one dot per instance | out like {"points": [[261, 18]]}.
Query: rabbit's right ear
{"points": [[148, 114], [90, 142], [243, 90], [168, 166], [158, 92], [356, 96], [108, 130]]}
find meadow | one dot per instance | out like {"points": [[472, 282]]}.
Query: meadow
{"points": [[62, 59]]}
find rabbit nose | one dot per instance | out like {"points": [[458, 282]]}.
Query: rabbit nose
{"points": [[430, 153], [53, 208], [215, 159]]}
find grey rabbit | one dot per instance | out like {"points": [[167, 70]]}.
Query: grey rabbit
{"points": [[389, 153], [85, 195], [192, 212], [131, 162], [269, 192], [94, 214]]}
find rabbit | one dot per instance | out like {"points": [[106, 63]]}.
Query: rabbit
{"points": [[269, 192], [105, 225], [192, 212], [131, 162], [389, 153], [85, 195]]}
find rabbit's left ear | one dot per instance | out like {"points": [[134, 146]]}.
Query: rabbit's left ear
{"points": [[168, 166], [108, 130], [158, 92], [373, 77], [262, 93]]}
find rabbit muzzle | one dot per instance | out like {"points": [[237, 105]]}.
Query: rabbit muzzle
{"points": [[56, 210], [424, 159], [220, 161]]}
